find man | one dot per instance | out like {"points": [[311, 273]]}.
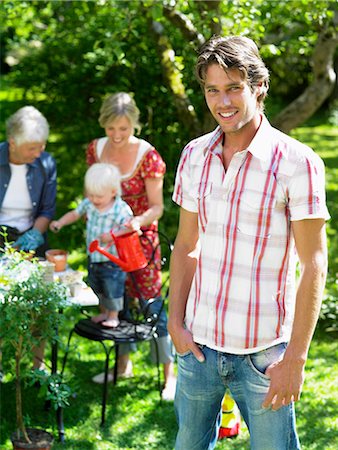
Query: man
{"points": [[28, 181], [251, 199]]}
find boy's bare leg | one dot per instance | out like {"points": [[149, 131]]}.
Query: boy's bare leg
{"points": [[112, 319]]}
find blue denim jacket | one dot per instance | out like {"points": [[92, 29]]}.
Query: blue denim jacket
{"points": [[41, 182]]}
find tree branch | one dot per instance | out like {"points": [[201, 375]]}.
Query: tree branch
{"points": [[211, 6], [182, 22], [318, 91]]}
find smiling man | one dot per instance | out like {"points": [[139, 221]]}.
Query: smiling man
{"points": [[252, 202]]}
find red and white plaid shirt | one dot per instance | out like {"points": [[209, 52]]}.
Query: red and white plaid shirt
{"points": [[242, 296]]}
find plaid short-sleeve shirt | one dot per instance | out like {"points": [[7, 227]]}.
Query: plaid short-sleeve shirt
{"points": [[242, 296], [102, 222]]}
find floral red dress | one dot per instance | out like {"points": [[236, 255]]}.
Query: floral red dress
{"points": [[149, 164]]}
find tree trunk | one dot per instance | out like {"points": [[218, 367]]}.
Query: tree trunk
{"points": [[185, 110], [172, 75], [318, 91], [19, 417]]}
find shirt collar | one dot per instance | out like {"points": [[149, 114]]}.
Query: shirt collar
{"points": [[258, 146], [214, 141]]}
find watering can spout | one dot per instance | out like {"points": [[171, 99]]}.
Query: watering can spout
{"points": [[130, 254]]}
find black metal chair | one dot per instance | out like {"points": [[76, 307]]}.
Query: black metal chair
{"points": [[140, 325]]}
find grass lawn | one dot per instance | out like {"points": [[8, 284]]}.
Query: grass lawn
{"points": [[136, 420]]}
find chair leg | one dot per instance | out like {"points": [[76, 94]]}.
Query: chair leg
{"points": [[105, 384], [59, 420], [117, 350], [106, 372], [66, 353], [158, 368]]}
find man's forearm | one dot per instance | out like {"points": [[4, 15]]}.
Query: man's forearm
{"points": [[308, 303]]}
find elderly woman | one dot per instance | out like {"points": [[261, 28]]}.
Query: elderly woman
{"points": [[28, 181], [142, 170], [27, 187]]}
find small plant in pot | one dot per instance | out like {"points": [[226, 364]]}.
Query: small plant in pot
{"points": [[29, 314]]}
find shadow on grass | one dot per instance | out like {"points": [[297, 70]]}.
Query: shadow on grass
{"points": [[135, 418]]}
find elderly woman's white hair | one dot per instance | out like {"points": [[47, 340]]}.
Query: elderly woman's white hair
{"points": [[27, 125], [101, 178]]}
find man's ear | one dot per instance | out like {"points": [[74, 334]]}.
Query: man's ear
{"points": [[261, 91], [260, 88]]}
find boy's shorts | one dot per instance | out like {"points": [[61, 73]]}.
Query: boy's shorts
{"points": [[107, 280]]}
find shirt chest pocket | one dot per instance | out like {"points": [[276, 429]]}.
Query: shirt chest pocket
{"points": [[255, 214], [203, 197]]}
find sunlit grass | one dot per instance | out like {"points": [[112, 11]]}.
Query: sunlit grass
{"points": [[322, 138]]}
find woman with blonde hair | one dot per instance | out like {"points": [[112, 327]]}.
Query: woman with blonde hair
{"points": [[142, 170]]}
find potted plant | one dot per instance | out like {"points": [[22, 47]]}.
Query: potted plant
{"points": [[29, 314]]}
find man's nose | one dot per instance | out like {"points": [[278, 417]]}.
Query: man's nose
{"points": [[225, 99]]}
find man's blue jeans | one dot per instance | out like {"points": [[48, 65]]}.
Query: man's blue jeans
{"points": [[200, 390]]}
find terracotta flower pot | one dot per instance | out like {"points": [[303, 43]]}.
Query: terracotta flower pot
{"points": [[58, 258], [41, 440]]}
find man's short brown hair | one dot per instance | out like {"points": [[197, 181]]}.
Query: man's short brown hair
{"points": [[234, 52]]}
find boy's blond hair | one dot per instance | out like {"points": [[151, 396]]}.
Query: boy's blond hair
{"points": [[102, 177]]}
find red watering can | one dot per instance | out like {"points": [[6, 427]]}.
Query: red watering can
{"points": [[129, 250]]}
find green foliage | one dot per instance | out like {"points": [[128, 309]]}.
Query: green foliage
{"points": [[29, 307], [110, 45], [29, 314], [52, 388], [288, 42]]}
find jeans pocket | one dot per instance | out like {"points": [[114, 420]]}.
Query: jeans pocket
{"points": [[260, 361], [189, 352]]}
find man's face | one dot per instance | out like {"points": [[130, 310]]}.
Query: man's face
{"points": [[25, 153], [230, 99]]}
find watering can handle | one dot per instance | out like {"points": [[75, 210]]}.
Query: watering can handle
{"points": [[116, 232]]}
